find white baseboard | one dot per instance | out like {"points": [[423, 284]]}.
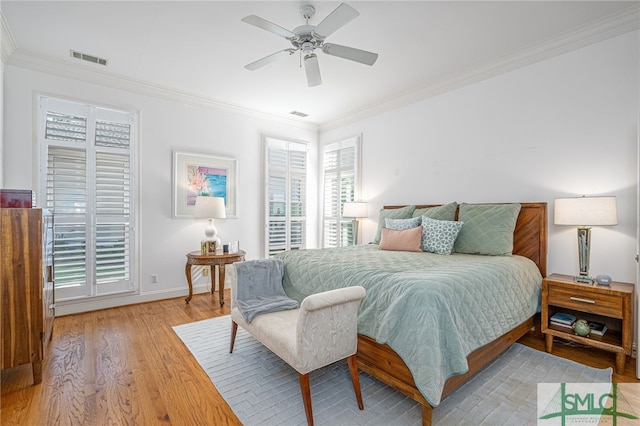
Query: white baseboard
{"points": [[77, 306]]}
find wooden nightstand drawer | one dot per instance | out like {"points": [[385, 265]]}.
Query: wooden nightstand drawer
{"points": [[586, 301]]}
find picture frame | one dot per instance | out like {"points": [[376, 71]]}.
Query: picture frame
{"points": [[234, 247], [202, 174]]}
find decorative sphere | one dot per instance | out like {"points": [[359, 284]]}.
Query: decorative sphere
{"points": [[581, 328]]}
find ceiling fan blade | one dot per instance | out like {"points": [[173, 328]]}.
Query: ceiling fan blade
{"points": [[312, 69], [269, 26], [340, 16], [268, 59], [353, 54]]}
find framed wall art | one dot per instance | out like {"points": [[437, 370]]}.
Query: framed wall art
{"points": [[197, 174]]}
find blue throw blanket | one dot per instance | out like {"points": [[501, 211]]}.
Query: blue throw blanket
{"points": [[259, 288]]}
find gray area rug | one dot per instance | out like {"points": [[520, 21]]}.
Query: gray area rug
{"points": [[263, 390]]}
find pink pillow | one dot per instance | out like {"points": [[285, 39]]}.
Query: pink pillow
{"points": [[405, 240]]}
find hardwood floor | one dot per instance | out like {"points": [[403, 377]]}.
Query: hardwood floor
{"points": [[127, 366], [119, 366], [587, 356]]}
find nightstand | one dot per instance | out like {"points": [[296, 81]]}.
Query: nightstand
{"points": [[612, 305]]}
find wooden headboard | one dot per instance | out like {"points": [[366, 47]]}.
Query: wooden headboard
{"points": [[530, 235]]}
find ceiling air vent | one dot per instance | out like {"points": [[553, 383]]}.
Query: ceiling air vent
{"points": [[88, 58], [298, 113]]}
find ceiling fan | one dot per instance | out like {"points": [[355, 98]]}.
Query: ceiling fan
{"points": [[307, 38]]}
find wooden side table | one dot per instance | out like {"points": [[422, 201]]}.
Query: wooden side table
{"points": [[612, 303], [211, 260]]}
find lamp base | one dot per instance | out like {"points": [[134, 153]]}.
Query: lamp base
{"points": [[583, 279]]}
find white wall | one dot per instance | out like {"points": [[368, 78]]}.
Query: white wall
{"points": [[562, 127], [1, 102], [163, 241]]}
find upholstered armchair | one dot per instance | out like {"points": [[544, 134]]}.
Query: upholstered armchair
{"points": [[321, 331]]}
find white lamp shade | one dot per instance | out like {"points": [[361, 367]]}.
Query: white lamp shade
{"points": [[586, 211], [354, 209], [210, 208]]}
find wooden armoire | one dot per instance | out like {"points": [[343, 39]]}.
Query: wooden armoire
{"points": [[27, 294]]}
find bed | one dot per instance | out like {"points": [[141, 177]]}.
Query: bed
{"points": [[431, 321]]}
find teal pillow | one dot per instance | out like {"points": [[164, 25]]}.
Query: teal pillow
{"points": [[439, 236], [401, 213], [488, 229], [402, 224], [443, 212]]}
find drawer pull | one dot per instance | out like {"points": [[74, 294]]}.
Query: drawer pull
{"points": [[578, 299]]}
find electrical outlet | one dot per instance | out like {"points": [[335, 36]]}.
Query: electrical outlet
{"points": [[205, 271], [154, 278]]}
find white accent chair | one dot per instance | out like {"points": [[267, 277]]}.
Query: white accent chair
{"points": [[322, 331]]}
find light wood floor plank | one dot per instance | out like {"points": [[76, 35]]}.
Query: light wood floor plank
{"points": [[126, 366]]}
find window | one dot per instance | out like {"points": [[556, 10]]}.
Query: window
{"points": [[87, 181], [341, 168], [286, 195]]}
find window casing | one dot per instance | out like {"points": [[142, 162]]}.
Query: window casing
{"points": [[341, 179], [87, 181], [285, 195]]}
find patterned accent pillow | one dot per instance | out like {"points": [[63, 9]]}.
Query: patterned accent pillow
{"points": [[402, 224], [443, 212], [401, 213], [439, 236], [488, 229], [404, 240]]}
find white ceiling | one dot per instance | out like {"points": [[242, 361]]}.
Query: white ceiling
{"points": [[198, 49]]}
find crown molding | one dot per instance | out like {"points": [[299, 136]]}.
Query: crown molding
{"points": [[7, 42], [608, 27], [115, 81]]}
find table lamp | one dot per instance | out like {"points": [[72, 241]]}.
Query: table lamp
{"points": [[585, 212], [210, 208], [357, 210]]}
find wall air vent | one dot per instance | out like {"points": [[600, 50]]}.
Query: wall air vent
{"points": [[88, 58], [298, 113]]}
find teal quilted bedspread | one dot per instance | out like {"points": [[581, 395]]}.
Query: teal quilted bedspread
{"points": [[433, 310]]}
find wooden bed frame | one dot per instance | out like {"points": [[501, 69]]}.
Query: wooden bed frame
{"points": [[382, 362]]}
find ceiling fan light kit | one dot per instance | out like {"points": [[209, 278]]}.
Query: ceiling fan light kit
{"points": [[307, 38], [312, 68]]}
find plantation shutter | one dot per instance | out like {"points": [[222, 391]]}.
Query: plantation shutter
{"points": [[286, 181], [112, 217], [88, 186], [340, 169], [66, 196], [331, 199]]}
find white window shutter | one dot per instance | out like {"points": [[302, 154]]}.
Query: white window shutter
{"points": [[341, 170], [88, 184], [286, 195], [112, 206]]}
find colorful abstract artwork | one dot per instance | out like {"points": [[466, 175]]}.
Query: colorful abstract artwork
{"points": [[202, 175], [207, 181]]}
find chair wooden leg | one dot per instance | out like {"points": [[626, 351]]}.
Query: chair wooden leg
{"points": [[305, 389], [234, 330], [427, 413], [355, 379]]}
